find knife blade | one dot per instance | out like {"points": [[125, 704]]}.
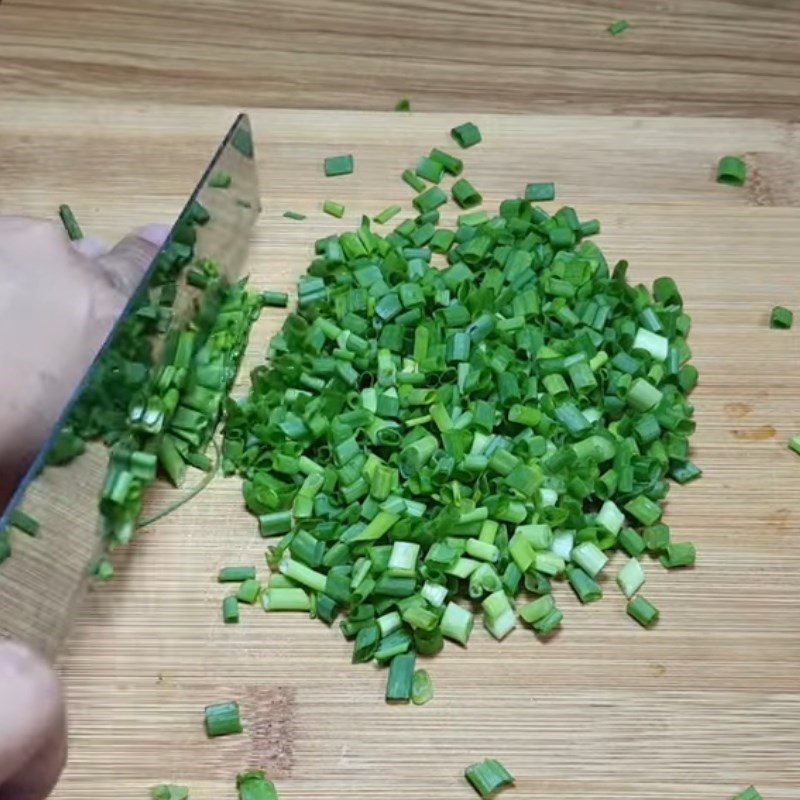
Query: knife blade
{"points": [[44, 578]]}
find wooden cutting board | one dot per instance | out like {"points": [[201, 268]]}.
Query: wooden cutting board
{"points": [[696, 709]]}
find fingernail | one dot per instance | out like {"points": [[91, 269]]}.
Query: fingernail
{"points": [[156, 233]]}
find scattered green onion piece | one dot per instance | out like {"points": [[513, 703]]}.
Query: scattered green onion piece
{"points": [[749, 793], [403, 104], [23, 522], [679, 554], [421, 688], [417, 184], [384, 216], [401, 678], [794, 443], [222, 719], [296, 215], [538, 609], [236, 574], [488, 777], [466, 135], [275, 299], [333, 208], [781, 318], [102, 569], [731, 170], [169, 791], [642, 611], [253, 785], [630, 578], [74, 232], [540, 192], [616, 28], [453, 165], [590, 558], [339, 165], [249, 591], [230, 609]]}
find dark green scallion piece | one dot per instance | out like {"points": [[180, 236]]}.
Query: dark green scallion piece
{"points": [[296, 215], [222, 719], [488, 777], [70, 224], [781, 318], [466, 135], [732, 171], [401, 678], [23, 522], [339, 165], [618, 27]]}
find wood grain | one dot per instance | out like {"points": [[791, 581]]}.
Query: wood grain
{"points": [[698, 708], [736, 58]]}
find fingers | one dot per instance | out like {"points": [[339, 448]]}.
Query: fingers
{"points": [[89, 247], [33, 744], [124, 266]]}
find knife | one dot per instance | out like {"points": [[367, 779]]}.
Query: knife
{"points": [[44, 576]]}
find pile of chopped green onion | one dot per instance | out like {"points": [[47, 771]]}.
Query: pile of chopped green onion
{"points": [[430, 439]]}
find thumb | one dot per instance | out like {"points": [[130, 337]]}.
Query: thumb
{"points": [[33, 741], [125, 264]]}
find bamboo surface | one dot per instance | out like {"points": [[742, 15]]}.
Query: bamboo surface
{"points": [[696, 709], [734, 58]]}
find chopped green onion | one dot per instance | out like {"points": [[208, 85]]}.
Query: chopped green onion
{"points": [[285, 600], [223, 719], [253, 785], [538, 609], [294, 215], [453, 165], [401, 678], [429, 169], [421, 688], [616, 28], [169, 791], [488, 777], [230, 609], [540, 192], [630, 578], [384, 216], [417, 184], [339, 165], [794, 443], [587, 590], [731, 170], [275, 299], [457, 623], [249, 591], [236, 574], [466, 135], [465, 194], [333, 208], [403, 104], [70, 224], [498, 614], [23, 522], [589, 557], [749, 793], [642, 611], [430, 199], [679, 554], [781, 318]]}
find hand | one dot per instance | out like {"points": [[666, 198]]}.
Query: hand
{"points": [[33, 740], [58, 302]]}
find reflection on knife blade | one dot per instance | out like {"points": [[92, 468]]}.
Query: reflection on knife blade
{"points": [[148, 407]]}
